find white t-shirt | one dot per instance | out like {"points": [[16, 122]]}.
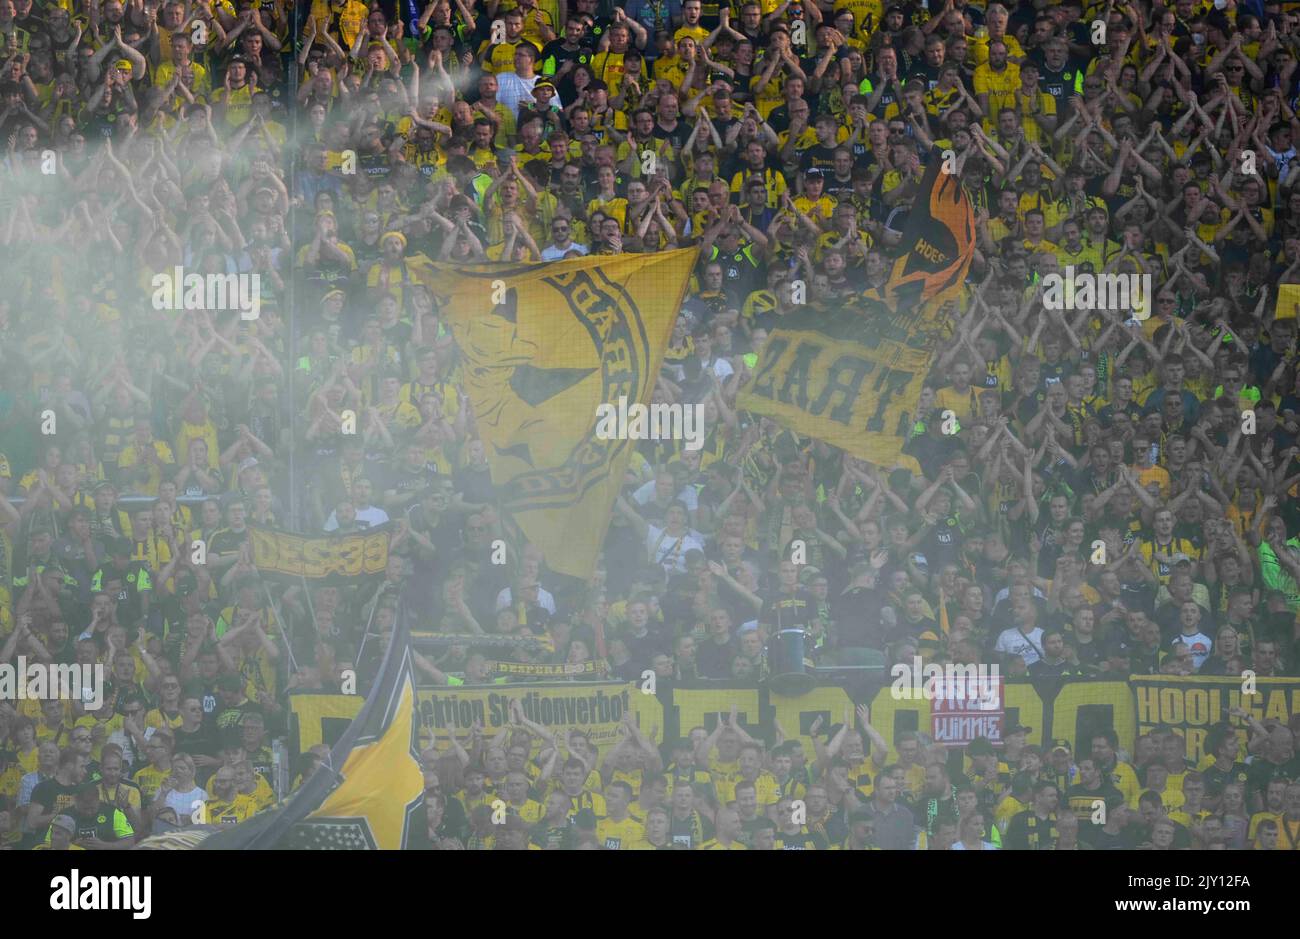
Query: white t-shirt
{"points": [[513, 90], [670, 552], [722, 368], [689, 495], [553, 253], [370, 517], [1014, 642], [183, 802], [1200, 644], [544, 600]]}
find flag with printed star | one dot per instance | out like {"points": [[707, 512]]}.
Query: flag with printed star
{"points": [[369, 794]]}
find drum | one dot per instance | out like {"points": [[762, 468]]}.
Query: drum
{"points": [[785, 659]]}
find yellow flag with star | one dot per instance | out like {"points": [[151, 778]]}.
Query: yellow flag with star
{"points": [[369, 793], [542, 346]]}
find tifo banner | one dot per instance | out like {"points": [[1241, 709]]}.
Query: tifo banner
{"points": [[357, 554], [853, 376], [1071, 709], [595, 708], [543, 670], [1194, 704], [829, 374], [543, 345]]}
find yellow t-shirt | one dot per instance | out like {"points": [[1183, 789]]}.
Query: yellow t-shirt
{"points": [[238, 809], [1000, 88], [131, 455], [766, 788], [616, 836], [149, 780]]}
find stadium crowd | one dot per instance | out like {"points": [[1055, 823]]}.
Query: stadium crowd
{"points": [[1100, 507]]}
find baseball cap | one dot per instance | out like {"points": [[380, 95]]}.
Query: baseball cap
{"points": [[980, 746], [65, 822], [1015, 727], [1062, 744], [813, 173]]}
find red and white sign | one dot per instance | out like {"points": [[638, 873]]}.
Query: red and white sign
{"points": [[965, 708]]}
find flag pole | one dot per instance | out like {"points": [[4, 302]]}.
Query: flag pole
{"points": [[284, 633]]}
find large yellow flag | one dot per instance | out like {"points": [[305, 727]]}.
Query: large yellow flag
{"points": [[851, 373], [542, 345]]}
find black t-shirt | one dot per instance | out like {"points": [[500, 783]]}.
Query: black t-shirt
{"points": [[820, 157], [226, 541], [475, 484], [54, 796], [676, 137], [1060, 85], [713, 660], [202, 742], [942, 543], [98, 824], [1216, 779], [803, 841], [405, 481], [1028, 832], [445, 536], [788, 611], [691, 831], [1258, 776], [559, 838]]}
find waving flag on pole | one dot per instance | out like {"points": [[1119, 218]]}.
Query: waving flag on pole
{"points": [[852, 375], [369, 793], [542, 346]]}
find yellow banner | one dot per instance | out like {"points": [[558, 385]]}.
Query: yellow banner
{"points": [[1194, 704], [543, 345], [1072, 710], [352, 555], [595, 708], [825, 374]]}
